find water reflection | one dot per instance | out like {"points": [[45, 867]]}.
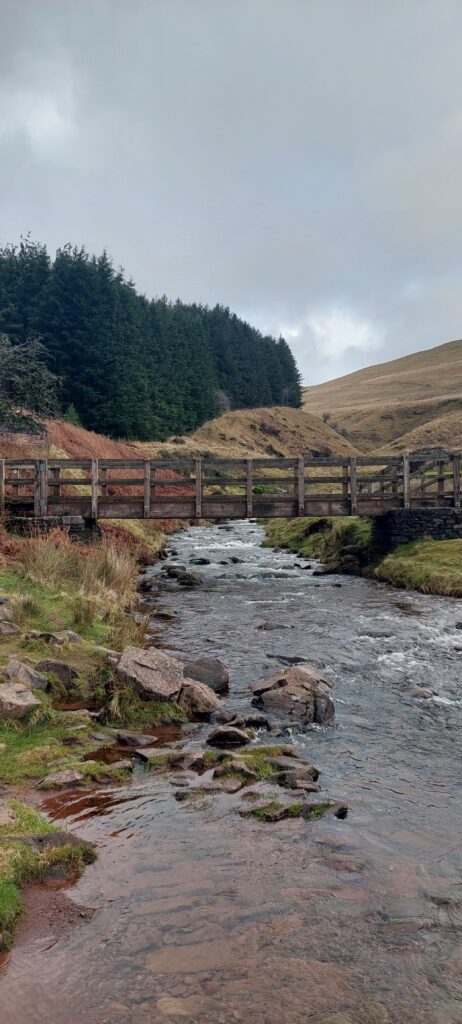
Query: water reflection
{"points": [[204, 916]]}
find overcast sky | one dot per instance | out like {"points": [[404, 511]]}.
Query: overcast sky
{"points": [[297, 160]]}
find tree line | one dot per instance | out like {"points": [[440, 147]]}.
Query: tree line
{"points": [[129, 366]]}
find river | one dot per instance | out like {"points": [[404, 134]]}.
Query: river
{"points": [[208, 918]]}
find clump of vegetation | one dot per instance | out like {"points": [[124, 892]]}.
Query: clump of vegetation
{"points": [[431, 566], [21, 864], [125, 706], [348, 544], [258, 760]]}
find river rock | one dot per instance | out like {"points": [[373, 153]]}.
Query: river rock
{"points": [[289, 764], [57, 780], [174, 571], [6, 615], [211, 671], [46, 637], [199, 561], [152, 674], [135, 739], [18, 672], [61, 669], [16, 701], [165, 613], [228, 736], [7, 815], [299, 694], [190, 579], [197, 699]]}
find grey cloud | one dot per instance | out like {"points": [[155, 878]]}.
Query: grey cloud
{"points": [[290, 160]]}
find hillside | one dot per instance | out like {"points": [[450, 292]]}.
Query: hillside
{"points": [[444, 431], [256, 433], [379, 404]]}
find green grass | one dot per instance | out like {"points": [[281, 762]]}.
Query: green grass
{"points": [[431, 566], [257, 760], [21, 864], [49, 608], [127, 707]]}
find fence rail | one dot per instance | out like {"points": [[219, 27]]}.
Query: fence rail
{"points": [[212, 488]]}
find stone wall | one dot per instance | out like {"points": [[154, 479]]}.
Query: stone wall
{"points": [[404, 525], [79, 529]]}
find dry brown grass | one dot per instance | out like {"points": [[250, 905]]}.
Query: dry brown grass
{"points": [[382, 403]]}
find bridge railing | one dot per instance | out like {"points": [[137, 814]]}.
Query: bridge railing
{"points": [[195, 488]]}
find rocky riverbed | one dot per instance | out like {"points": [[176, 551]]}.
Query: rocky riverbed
{"points": [[221, 892]]}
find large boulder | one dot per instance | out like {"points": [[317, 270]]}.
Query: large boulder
{"points": [[298, 694], [197, 700], [16, 701], [18, 672], [152, 674], [210, 671]]}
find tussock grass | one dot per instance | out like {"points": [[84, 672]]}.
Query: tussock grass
{"points": [[125, 706], [431, 566]]}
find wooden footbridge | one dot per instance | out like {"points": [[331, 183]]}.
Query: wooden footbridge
{"points": [[212, 488]]}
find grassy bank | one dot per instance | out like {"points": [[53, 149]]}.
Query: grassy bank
{"points": [[21, 863], [347, 545]]}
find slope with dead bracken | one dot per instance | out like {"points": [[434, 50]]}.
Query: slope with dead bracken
{"points": [[380, 404]]}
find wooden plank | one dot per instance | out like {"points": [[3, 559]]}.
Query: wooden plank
{"points": [[406, 482], [441, 482], [2, 486], [249, 489], [198, 488], [103, 479], [55, 488], [301, 486], [94, 488], [456, 480], [353, 486], [345, 479], [147, 489], [43, 486]]}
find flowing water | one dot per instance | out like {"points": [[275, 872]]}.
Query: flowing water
{"points": [[202, 916]]}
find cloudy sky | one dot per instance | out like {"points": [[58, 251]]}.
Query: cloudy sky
{"points": [[297, 160]]}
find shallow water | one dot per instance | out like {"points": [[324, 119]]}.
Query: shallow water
{"points": [[206, 917]]}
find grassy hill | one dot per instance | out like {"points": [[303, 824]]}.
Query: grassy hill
{"points": [[254, 433], [380, 404]]}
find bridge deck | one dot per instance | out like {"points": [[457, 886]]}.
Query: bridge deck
{"points": [[228, 488]]}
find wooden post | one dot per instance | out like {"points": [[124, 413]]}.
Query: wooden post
{"points": [[37, 488], [249, 489], [345, 477], [15, 487], [147, 488], [441, 482], [456, 479], [198, 488], [55, 487], [301, 486], [353, 487], [406, 482], [43, 486], [94, 488], [2, 486]]}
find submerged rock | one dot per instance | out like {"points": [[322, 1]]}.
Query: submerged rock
{"points": [[152, 674], [301, 694], [190, 579], [228, 736], [16, 701], [211, 671]]}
